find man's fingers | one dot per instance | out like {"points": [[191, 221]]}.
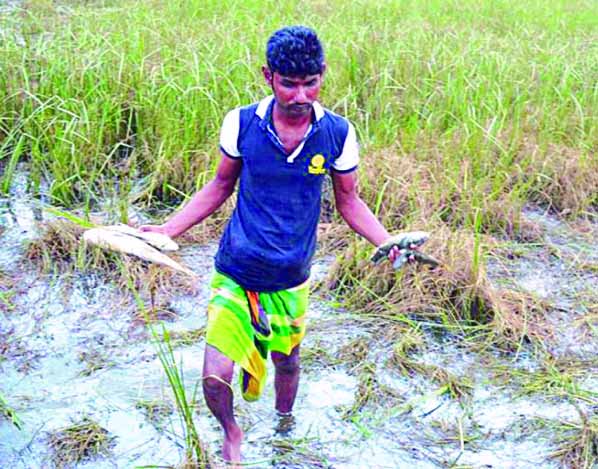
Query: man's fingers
{"points": [[394, 253], [151, 228]]}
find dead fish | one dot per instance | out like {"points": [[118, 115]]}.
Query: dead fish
{"points": [[121, 242], [417, 255], [158, 240], [404, 241]]}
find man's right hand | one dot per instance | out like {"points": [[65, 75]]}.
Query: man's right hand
{"points": [[156, 229]]}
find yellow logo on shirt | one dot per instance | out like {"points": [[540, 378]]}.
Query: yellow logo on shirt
{"points": [[316, 165]]}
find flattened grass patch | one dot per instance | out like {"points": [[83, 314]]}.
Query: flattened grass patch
{"points": [[79, 442]]}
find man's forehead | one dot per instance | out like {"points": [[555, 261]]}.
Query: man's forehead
{"points": [[298, 78]]}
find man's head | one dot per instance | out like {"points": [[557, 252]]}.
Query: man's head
{"points": [[295, 51], [295, 68]]}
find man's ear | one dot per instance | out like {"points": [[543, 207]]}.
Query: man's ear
{"points": [[268, 76]]}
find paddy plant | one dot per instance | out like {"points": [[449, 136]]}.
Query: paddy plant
{"points": [[120, 93], [196, 455]]}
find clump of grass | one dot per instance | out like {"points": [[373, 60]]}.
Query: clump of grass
{"points": [[57, 247], [196, 456], [302, 452], [316, 355], [354, 353], [7, 412], [195, 453], [155, 410], [6, 292], [60, 249], [94, 360], [562, 177], [458, 290], [457, 296], [370, 392], [558, 378], [154, 313], [407, 341], [186, 338], [578, 443], [457, 387], [79, 442], [520, 316]]}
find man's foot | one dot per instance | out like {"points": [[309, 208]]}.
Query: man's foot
{"points": [[285, 425], [231, 448]]}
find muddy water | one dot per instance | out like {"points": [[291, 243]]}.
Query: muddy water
{"points": [[73, 349]]}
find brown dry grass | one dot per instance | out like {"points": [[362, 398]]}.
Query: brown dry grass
{"points": [[81, 441], [566, 179], [60, 249], [457, 294]]}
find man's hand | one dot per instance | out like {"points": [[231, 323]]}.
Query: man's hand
{"points": [[396, 252], [162, 229]]}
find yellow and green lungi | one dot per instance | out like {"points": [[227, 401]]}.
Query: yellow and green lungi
{"points": [[246, 325]]}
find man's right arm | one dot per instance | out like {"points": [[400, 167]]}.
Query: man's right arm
{"points": [[205, 202]]}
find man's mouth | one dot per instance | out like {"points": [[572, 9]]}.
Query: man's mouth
{"points": [[300, 107]]}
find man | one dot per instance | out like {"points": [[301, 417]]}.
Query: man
{"points": [[280, 149]]}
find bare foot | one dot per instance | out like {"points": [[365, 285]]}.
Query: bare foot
{"points": [[231, 448]]}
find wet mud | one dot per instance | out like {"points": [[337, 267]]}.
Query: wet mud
{"points": [[73, 348]]}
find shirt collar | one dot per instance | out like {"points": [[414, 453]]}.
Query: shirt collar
{"points": [[264, 109]]}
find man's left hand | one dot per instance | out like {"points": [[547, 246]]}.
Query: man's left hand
{"points": [[396, 252]]}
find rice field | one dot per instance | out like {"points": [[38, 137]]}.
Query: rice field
{"points": [[478, 122]]}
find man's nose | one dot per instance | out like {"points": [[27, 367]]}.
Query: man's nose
{"points": [[301, 96]]}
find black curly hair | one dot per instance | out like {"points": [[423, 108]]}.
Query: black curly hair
{"points": [[295, 51]]}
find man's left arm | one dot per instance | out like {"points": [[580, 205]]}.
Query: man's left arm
{"points": [[354, 210]]}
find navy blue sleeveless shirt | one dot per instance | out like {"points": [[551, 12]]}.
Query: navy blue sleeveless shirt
{"points": [[270, 239]]}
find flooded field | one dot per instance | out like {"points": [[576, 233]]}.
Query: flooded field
{"points": [[74, 350], [478, 115]]}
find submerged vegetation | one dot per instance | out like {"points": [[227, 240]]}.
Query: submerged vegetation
{"points": [[467, 112]]}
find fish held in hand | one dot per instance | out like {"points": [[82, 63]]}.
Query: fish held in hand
{"points": [[404, 242], [157, 240], [127, 244]]}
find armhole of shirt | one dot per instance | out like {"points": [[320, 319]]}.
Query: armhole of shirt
{"points": [[229, 134], [348, 160]]}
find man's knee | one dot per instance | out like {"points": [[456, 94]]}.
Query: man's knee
{"points": [[215, 384], [286, 364], [217, 370]]}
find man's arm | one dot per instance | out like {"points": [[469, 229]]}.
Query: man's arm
{"points": [[354, 210], [205, 202]]}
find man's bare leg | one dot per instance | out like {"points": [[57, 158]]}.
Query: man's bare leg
{"points": [[217, 376], [286, 379]]}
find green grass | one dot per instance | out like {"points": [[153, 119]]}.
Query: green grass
{"points": [[195, 453], [106, 93], [7, 412]]}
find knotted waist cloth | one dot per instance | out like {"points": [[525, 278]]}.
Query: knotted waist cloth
{"points": [[245, 325]]}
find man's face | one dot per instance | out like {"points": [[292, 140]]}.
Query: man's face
{"points": [[294, 95]]}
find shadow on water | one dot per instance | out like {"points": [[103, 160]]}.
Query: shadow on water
{"points": [[71, 350]]}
